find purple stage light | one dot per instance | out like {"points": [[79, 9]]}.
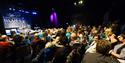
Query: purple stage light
{"points": [[54, 18], [51, 18]]}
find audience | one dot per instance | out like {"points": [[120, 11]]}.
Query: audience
{"points": [[76, 44]]}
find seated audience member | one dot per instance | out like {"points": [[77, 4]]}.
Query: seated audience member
{"points": [[46, 54], [62, 49], [112, 38], [102, 54], [92, 47], [54, 51], [75, 56], [5, 50], [119, 49], [73, 39], [22, 52], [5, 38]]}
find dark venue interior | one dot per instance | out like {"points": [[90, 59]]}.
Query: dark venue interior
{"points": [[90, 12], [62, 31]]}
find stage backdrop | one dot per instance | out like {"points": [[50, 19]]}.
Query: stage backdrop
{"points": [[16, 20]]}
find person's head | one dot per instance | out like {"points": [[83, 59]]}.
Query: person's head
{"points": [[73, 36], [96, 37], [50, 31], [80, 31], [121, 38], [45, 34], [103, 47], [108, 31], [94, 28], [63, 39], [4, 38], [22, 34], [36, 36], [69, 29], [18, 39]]}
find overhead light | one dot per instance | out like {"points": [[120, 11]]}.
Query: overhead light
{"points": [[10, 8], [80, 2], [14, 9], [75, 3], [34, 13]]}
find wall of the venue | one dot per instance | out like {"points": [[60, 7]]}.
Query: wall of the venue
{"points": [[2, 29]]}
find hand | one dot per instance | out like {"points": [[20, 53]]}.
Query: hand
{"points": [[110, 51]]}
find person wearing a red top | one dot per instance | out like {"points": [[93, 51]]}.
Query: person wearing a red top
{"points": [[5, 51]]}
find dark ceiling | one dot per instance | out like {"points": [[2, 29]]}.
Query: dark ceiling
{"points": [[92, 11]]}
